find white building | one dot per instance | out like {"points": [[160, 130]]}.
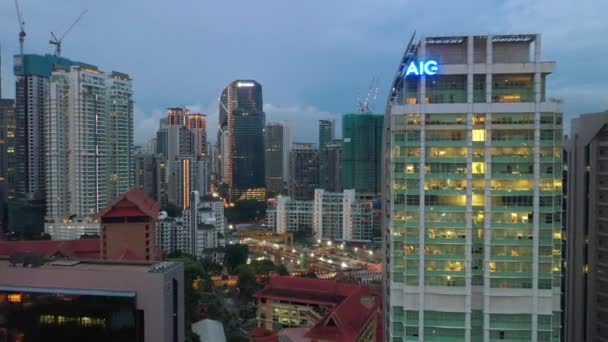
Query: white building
{"points": [[331, 216], [342, 216], [72, 230], [89, 138], [290, 216], [198, 229]]}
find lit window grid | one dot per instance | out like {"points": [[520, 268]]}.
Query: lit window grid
{"points": [[508, 258]]}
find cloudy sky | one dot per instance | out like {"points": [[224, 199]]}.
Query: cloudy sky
{"points": [[312, 57]]}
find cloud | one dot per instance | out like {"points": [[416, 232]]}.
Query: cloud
{"points": [[303, 120]]}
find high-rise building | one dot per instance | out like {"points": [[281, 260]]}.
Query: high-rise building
{"points": [[278, 145], [197, 230], [197, 125], [362, 152], [587, 229], [33, 73], [304, 171], [472, 192], [332, 155], [148, 175], [342, 216], [8, 168], [241, 139], [81, 164], [290, 216], [326, 135], [120, 133]]}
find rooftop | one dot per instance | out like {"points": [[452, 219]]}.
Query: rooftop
{"points": [[352, 306], [92, 265]]}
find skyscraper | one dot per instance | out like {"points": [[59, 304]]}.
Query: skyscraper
{"points": [[197, 125], [332, 156], [241, 139], [361, 152], [326, 135], [278, 145], [472, 192], [587, 229], [7, 146], [81, 164], [304, 171], [32, 74], [120, 133]]}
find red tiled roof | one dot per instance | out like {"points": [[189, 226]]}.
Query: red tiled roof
{"points": [[305, 290], [84, 248], [347, 320], [125, 212], [354, 306], [127, 254], [137, 197]]}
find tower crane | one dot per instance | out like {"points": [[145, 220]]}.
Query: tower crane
{"points": [[57, 41], [21, 27], [367, 106]]}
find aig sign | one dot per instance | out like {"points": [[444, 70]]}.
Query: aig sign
{"points": [[420, 68]]}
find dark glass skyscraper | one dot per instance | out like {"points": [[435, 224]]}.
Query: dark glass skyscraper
{"points": [[326, 135], [361, 152], [241, 139], [278, 145]]}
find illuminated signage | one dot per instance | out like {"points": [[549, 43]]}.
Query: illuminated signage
{"points": [[245, 84], [420, 68]]}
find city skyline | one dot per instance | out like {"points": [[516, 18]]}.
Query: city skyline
{"points": [[368, 49]]}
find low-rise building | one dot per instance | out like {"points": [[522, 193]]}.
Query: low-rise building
{"points": [[198, 228], [342, 216], [76, 300], [290, 216], [330, 311]]}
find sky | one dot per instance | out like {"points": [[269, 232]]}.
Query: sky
{"points": [[313, 58]]}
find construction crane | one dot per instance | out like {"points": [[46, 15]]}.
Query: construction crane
{"points": [[57, 41], [367, 106], [21, 27]]}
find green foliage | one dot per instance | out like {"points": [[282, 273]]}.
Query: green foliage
{"points": [[234, 256], [89, 236], [193, 270], [282, 270], [246, 210], [262, 267], [309, 274], [237, 338], [246, 284], [212, 267]]}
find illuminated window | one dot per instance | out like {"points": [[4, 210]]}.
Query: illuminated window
{"points": [[479, 135], [411, 100], [409, 168], [479, 167], [15, 297]]}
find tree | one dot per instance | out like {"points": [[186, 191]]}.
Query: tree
{"points": [[246, 283], [211, 267], [262, 267], [234, 256], [309, 274], [282, 270], [246, 210], [89, 236], [193, 271]]}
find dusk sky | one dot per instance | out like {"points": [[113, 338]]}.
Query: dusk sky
{"points": [[313, 58]]}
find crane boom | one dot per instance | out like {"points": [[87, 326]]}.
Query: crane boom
{"points": [[21, 27], [57, 41]]}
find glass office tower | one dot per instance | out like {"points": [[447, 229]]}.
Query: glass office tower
{"points": [[472, 185]]}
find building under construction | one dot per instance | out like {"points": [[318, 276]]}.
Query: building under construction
{"points": [[361, 152]]}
